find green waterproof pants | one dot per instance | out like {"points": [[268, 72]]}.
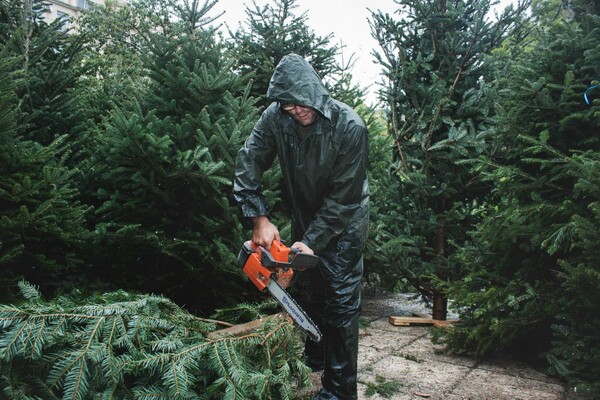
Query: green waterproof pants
{"points": [[332, 300]]}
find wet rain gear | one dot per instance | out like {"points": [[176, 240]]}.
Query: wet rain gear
{"points": [[324, 168]]}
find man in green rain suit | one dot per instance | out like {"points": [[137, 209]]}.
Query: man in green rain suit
{"points": [[322, 146]]}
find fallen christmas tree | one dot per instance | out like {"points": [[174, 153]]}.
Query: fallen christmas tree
{"points": [[121, 345]]}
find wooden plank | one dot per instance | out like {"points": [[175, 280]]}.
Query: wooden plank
{"points": [[248, 327], [407, 321]]}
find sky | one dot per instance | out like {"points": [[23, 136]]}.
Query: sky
{"points": [[347, 20]]}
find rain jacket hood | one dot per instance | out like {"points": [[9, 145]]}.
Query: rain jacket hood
{"points": [[295, 81]]}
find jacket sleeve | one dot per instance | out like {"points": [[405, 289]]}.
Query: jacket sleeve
{"points": [[252, 160], [347, 198]]}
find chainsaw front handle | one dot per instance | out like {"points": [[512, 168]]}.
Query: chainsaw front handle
{"points": [[280, 254]]}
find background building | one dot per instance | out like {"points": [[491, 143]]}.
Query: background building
{"points": [[69, 8]]}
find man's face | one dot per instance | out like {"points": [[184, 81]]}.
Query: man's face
{"points": [[303, 115]]}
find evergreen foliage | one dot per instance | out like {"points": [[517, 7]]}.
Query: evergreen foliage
{"points": [[121, 345], [441, 109], [42, 221], [113, 42], [531, 270], [51, 65], [151, 148], [165, 220]]}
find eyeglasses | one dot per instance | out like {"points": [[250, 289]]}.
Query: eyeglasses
{"points": [[291, 107]]}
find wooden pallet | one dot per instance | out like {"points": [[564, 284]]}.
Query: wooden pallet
{"points": [[422, 319]]}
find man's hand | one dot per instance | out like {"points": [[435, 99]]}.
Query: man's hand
{"points": [[303, 248], [264, 232]]}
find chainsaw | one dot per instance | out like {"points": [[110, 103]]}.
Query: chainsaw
{"points": [[267, 269]]}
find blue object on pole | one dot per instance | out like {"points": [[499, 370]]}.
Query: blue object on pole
{"points": [[589, 90]]}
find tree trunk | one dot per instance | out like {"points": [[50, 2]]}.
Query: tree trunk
{"points": [[440, 306], [27, 31], [440, 302]]}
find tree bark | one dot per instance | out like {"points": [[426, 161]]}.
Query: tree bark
{"points": [[440, 302], [248, 327], [27, 31], [440, 306]]}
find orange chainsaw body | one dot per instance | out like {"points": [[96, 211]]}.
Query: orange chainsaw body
{"points": [[258, 273]]}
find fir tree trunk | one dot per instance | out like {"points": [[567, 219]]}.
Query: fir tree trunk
{"points": [[27, 31], [439, 298], [440, 305]]}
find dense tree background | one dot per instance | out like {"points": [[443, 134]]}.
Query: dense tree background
{"points": [[440, 113], [492, 196], [44, 235], [531, 271], [162, 168], [117, 143]]}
